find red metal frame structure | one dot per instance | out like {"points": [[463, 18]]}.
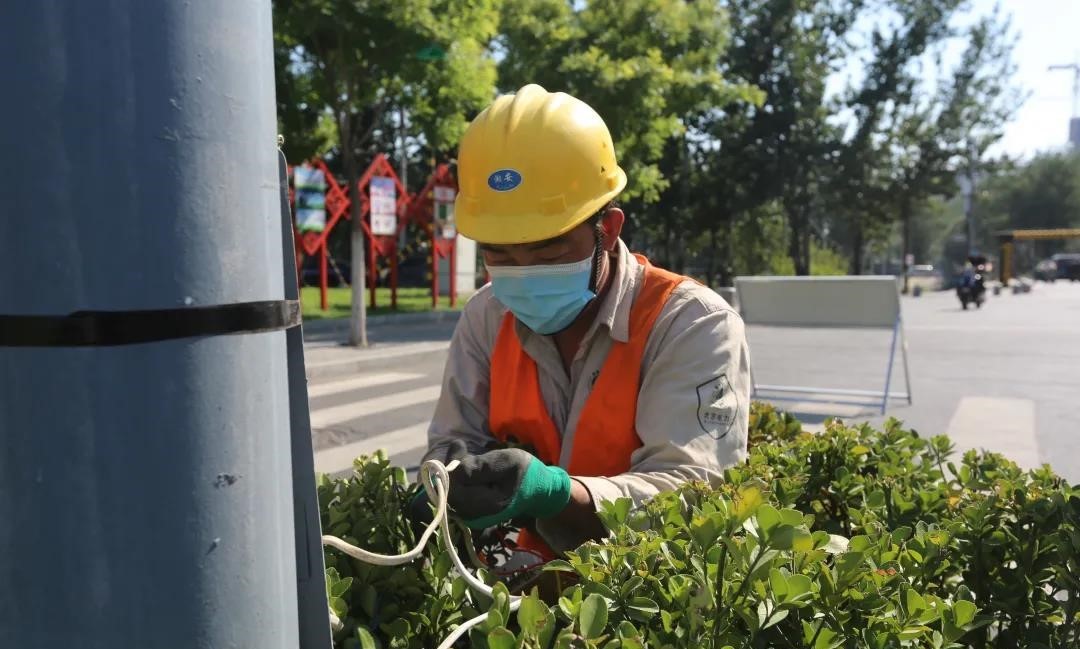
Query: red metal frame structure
{"points": [[422, 211], [337, 208], [311, 243], [383, 245]]}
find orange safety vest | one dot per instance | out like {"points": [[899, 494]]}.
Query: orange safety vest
{"points": [[606, 435]]}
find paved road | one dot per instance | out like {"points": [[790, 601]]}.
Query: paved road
{"points": [[380, 397], [1006, 377]]}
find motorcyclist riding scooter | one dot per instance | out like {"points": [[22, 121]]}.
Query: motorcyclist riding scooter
{"points": [[972, 289]]}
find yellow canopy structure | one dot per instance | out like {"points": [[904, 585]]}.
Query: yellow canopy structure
{"points": [[1008, 238]]}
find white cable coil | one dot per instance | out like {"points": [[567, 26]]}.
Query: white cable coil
{"points": [[436, 488]]}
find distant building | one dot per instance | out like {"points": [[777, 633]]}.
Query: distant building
{"points": [[1074, 132]]}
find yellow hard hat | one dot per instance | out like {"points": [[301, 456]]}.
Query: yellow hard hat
{"points": [[532, 166]]}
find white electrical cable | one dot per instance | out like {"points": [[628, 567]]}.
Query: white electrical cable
{"points": [[436, 488]]}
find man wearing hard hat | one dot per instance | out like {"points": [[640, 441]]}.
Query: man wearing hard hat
{"points": [[595, 374]]}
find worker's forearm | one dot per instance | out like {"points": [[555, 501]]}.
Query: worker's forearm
{"points": [[578, 521]]}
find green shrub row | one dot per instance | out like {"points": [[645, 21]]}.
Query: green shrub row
{"points": [[853, 537]]}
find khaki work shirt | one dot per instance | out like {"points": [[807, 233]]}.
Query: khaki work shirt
{"points": [[693, 405]]}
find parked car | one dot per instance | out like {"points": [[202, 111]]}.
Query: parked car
{"points": [[925, 277], [310, 273], [1068, 266], [1046, 270]]}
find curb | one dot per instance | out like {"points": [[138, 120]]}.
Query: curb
{"points": [[336, 325]]}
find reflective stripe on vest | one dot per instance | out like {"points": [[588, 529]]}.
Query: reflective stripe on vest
{"points": [[606, 435]]}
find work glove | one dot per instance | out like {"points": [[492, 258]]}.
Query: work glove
{"points": [[497, 486], [420, 512]]}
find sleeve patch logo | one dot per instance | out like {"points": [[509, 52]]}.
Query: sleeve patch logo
{"points": [[718, 406]]}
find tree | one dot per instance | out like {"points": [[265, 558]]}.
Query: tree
{"points": [[777, 149], [308, 128], [952, 131], [362, 62], [645, 65], [1042, 194], [863, 184], [911, 140]]}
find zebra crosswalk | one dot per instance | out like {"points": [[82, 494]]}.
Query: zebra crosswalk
{"points": [[346, 412], [363, 401], [384, 397], [408, 442]]}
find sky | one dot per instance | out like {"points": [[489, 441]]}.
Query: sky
{"points": [[1049, 33]]}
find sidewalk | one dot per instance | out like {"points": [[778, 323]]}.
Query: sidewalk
{"points": [[336, 330], [327, 353]]}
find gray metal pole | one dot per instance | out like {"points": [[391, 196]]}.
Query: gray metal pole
{"points": [[969, 198], [358, 315], [145, 492], [969, 222], [314, 612]]}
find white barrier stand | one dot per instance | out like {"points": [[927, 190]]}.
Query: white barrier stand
{"points": [[871, 302]]}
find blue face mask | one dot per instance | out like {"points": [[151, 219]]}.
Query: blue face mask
{"points": [[547, 299]]}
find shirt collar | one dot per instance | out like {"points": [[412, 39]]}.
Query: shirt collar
{"points": [[614, 311]]}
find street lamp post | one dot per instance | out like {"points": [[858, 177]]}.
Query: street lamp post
{"points": [[968, 181], [145, 488]]}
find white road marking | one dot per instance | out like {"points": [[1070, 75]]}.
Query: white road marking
{"points": [[324, 417], [1021, 329], [1005, 426], [346, 356], [403, 440], [825, 408], [358, 382]]}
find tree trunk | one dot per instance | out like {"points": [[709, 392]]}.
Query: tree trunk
{"points": [[684, 202], [805, 242], [669, 258], [727, 268], [905, 219], [358, 318], [710, 267], [799, 240], [403, 155], [796, 252], [857, 246]]}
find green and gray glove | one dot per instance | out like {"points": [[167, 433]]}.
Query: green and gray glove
{"points": [[496, 486]]}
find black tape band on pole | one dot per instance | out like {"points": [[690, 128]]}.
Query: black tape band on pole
{"points": [[112, 328]]}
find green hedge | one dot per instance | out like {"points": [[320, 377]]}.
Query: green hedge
{"points": [[853, 537]]}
